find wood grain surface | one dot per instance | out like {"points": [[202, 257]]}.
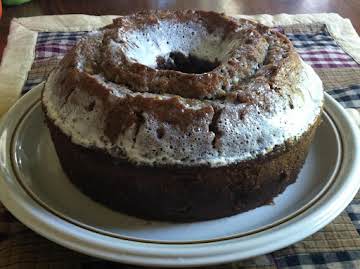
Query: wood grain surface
{"points": [[346, 8]]}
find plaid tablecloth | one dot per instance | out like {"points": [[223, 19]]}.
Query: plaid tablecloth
{"points": [[335, 246]]}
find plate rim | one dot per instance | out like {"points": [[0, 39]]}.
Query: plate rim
{"points": [[154, 254], [34, 105]]}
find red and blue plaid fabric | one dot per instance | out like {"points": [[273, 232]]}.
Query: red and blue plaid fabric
{"points": [[348, 97], [320, 50], [55, 44]]}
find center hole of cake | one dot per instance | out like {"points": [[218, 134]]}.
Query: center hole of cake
{"points": [[185, 63]]}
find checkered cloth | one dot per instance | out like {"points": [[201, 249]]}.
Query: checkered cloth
{"points": [[335, 246]]}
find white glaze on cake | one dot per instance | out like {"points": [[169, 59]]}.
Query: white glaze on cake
{"points": [[256, 134], [190, 38]]}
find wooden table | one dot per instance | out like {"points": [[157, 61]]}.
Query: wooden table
{"points": [[346, 8]]}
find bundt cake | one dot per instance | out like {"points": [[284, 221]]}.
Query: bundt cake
{"points": [[182, 115]]}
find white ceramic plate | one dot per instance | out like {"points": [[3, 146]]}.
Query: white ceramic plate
{"points": [[34, 188]]}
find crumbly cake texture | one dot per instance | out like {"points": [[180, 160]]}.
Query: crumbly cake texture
{"points": [[183, 88]]}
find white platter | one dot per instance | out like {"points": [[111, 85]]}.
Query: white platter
{"points": [[34, 188]]}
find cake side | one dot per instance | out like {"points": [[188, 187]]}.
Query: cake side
{"points": [[174, 193]]}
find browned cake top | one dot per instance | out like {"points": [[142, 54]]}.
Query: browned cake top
{"points": [[183, 86], [209, 56]]}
